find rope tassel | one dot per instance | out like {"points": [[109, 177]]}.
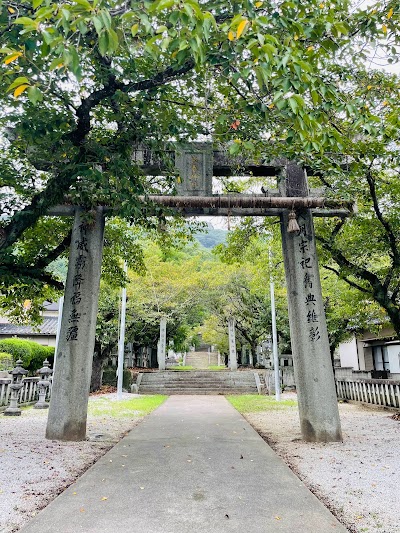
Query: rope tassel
{"points": [[293, 226]]}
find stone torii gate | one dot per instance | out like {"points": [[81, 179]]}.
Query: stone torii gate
{"points": [[196, 165]]}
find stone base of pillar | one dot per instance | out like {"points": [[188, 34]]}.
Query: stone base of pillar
{"points": [[12, 411], [40, 405]]}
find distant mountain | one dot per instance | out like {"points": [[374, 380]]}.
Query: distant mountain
{"points": [[212, 237]]}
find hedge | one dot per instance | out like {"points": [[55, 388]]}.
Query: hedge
{"points": [[110, 378], [6, 361], [32, 353]]}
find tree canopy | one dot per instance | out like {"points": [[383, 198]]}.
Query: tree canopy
{"points": [[84, 82]]}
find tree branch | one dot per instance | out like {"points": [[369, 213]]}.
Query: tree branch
{"points": [[388, 230], [43, 262], [346, 279], [51, 195], [112, 85]]}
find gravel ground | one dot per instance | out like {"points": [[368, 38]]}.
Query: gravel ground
{"points": [[35, 470], [358, 479]]}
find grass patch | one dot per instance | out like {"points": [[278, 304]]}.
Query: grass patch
{"points": [[181, 368], [248, 403], [216, 367], [135, 407]]}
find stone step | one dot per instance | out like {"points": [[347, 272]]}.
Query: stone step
{"points": [[192, 375], [198, 385], [197, 391], [232, 380], [199, 373], [198, 382]]}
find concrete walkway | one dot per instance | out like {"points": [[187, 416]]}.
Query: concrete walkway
{"points": [[194, 465]]}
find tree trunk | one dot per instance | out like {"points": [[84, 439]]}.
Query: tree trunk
{"points": [[253, 350], [100, 357], [97, 373]]}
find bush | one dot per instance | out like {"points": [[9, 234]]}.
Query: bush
{"points": [[32, 353], [6, 361], [109, 376]]}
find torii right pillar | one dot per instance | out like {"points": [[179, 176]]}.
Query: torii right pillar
{"points": [[318, 406]]}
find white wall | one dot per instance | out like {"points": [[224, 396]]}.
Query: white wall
{"points": [[394, 358], [348, 354]]}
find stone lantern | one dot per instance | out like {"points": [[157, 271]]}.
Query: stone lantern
{"points": [[17, 374], [43, 385]]}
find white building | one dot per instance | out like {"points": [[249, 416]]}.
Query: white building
{"points": [[374, 353]]}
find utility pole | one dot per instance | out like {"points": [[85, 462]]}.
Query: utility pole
{"points": [[275, 342], [121, 341]]}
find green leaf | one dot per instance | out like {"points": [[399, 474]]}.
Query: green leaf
{"points": [[35, 95], [249, 145], [106, 17], [160, 6], [84, 3], [25, 21], [234, 148], [36, 3], [134, 29], [293, 104], [113, 41], [22, 80], [103, 43], [98, 24]]}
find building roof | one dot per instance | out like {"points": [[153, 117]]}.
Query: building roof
{"points": [[51, 306], [48, 327]]}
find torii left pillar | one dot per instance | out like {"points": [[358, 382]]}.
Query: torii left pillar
{"points": [[71, 382]]}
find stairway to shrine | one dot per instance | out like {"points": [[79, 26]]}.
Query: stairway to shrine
{"points": [[198, 382], [201, 359]]}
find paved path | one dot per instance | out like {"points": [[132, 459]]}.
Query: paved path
{"points": [[194, 465]]}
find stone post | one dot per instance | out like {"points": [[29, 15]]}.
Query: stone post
{"points": [[70, 390], [162, 344], [318, 408], [232, 345], [244, 355]]}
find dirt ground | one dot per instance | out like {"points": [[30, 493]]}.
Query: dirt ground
{"points": [[358, 479]]}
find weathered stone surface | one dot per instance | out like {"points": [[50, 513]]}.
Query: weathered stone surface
{"points": [[195, 166], [318, 409], [232, 345], [70, 392], [162, 343]]}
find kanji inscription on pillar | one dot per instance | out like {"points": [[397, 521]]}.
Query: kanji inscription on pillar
{"points": [[79, 266], [194, 164], [304, 243]]}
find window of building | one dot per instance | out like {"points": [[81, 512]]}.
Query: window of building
{"points": [[381, 358]]}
